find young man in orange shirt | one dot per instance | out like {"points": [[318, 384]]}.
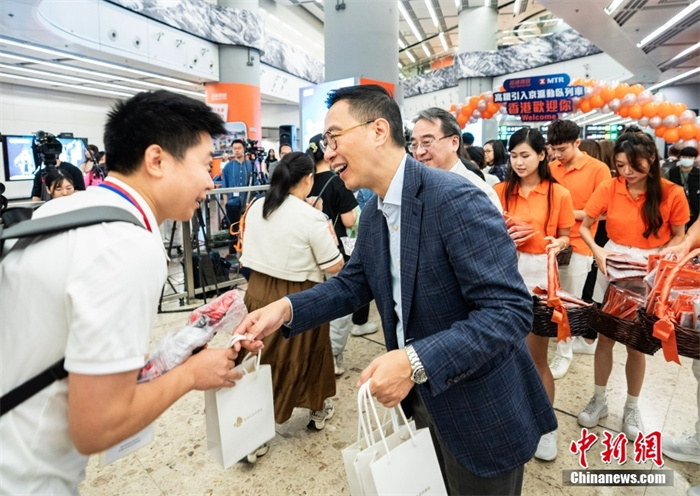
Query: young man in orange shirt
{"points": [[580, 174]]}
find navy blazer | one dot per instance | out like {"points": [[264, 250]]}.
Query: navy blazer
{"points": [[465, 310]]}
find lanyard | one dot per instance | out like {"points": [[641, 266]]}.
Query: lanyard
{"points": [[125, 194]]}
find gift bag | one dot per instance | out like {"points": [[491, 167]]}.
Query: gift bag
{"points": [[241, 418], [403, 462]]}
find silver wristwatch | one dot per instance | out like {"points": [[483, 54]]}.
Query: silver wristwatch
{"points": [[418, 371]]}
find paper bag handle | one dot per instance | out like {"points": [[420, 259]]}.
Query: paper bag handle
{"points": [[364, 397], [242, 337]]}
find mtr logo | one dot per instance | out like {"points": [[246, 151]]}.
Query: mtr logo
{"points": [[551, 80]]}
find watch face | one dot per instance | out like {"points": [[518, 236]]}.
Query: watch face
{"points": [[419, 376]]}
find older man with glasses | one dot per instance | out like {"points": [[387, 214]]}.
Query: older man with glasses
{"points": [[434, 254], [436, 141]]}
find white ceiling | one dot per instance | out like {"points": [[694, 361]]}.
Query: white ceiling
{"points": [[617, 35]]}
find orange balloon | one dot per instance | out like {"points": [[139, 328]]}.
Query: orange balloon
{"points": [[660, 131], [621, 90], [467, 111], [453, 107], [585, 105], [474, 101], [679, 108], [502, 89], [671, 135], [686, 131], [577, 82], [492, 108], [649, 109], [486, 114], [607, 94], [589, 82], [664, 109], [462, 120], [624, 112], [636, 89], [597, 101], [635, 111], [697, 133]]}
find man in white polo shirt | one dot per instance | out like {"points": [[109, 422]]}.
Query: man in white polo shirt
{"points": [[91, 294]]}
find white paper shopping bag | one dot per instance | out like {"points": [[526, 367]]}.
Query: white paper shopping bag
{"points": [[403, 462], [242, 418]]}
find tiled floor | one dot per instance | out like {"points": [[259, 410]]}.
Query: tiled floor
{"points": [[301, 462]]}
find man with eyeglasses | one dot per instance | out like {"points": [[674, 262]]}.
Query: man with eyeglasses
{"points": [[438, 261], [435, 141], [580, 174]]}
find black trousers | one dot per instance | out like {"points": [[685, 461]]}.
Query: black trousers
{"points": [[459, 480], [361, 316]]}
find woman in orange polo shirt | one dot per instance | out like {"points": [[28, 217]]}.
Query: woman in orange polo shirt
{"points": [[531, 194], [644, 213]]}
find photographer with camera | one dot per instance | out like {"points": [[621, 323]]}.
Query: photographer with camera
{"points": [[238, 172], [47, 149]]}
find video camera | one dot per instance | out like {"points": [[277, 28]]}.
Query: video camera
{"points": [[46, 148], [255, 151]]}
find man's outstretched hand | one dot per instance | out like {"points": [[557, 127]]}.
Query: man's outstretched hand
{"points": [[261, 323]]}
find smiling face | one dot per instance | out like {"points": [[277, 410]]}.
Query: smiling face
{"points": [[524, 160], [635, 176], [353, 153], [432, 146], [187, 181]]}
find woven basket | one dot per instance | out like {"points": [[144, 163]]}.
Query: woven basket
{"points": [[631, 333], [542, 325], [687, 340]]}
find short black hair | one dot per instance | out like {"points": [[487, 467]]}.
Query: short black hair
{"points": [[370, 102], [468, 139], [562, 131], [238, 141], [688, 151], [172, 121]]}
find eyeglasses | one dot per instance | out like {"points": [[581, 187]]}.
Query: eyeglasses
{"points": [[330, 137], [426, 144]]}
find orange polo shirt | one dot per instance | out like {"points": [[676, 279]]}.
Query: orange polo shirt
{"points": [[533, 209], [581, 180], [624, 221]]}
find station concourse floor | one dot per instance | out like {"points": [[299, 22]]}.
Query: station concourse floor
{"points": [[304, 462]]}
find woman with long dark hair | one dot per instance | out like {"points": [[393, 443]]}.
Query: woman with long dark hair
{"points": [[288, 247], [531, 194], [496, 159], [644, 213]]}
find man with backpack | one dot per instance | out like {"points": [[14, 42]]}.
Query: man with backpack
{"points": [[90, 294]]}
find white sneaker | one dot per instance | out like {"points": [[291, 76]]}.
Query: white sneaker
{"points": [[257, 453], [338, 365], [318, 418], [596, 409], [559, 366], [683, 449], [632, 422], [364, 329], [547, 447], [582, 347]]}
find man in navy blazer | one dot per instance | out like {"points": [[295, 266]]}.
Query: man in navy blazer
{"points": [[435, 255]]}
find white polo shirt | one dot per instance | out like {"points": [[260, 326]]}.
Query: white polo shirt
{"points": [[89, 294]]}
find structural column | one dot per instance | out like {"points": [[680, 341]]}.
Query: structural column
{"points": [[478, 31], [361, 39], [237, 96]]}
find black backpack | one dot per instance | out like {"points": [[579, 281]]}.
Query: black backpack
{"points": [[18, 224]]}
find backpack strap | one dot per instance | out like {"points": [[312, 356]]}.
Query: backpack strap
{"points": [[51, 225], [67, 221], [25, 391]]}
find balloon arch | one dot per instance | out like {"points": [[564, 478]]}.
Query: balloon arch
{"points": [[671, 121]]}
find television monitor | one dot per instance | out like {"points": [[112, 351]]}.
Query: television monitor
{"points": [[18, 157], [73, 150]]}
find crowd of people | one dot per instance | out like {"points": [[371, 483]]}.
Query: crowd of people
{"points": [[452, 284]]}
